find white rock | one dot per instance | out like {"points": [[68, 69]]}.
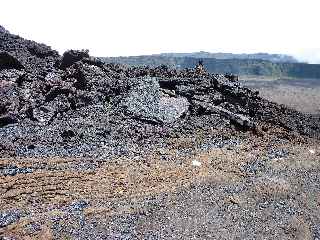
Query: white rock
{"points": [[196, 163], [312, 151]]}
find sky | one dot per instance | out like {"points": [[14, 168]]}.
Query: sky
{"points": [[139, 27]]}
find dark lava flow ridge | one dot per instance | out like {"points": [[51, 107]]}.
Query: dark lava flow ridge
{"points": [[76, 105]]}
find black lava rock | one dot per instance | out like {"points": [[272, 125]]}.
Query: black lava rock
{"points": [[76, 105], [8, 61], [73, 56]]}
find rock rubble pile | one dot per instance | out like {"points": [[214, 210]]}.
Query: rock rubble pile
{"points": [[76, 105]]}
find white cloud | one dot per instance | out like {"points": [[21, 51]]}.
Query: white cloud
{"points": [[308, 55], [127, 27]]}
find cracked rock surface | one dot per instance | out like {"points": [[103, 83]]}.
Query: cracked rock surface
{"points": [[145, 102]]}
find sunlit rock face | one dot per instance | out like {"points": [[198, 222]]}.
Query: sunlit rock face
{"points": [[146, 102]]}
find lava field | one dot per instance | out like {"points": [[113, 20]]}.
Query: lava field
{"points": [[91, 150]]}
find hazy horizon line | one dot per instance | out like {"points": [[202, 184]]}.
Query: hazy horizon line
{"points": [[310, 56]]}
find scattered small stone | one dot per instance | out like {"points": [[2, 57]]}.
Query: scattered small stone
{"points": [[254, 167], [9, 217], [14, 170], [33, 227], [277, 153], [196, 163], [79, 205], [312, 151]]}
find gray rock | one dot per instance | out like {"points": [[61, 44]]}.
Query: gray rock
{"points": [[78, 205], [46, 112], [3, 30], [238, 119], [146, 103], [277, 153], [9, 217], [14, 170], [43, 114]]}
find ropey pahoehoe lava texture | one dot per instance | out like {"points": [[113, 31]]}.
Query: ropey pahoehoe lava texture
{"points": [[74, 104]]}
